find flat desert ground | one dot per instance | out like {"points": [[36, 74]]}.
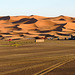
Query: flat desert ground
{"points": [[53, 57]]}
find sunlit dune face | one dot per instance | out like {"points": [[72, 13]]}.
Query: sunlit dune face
{"points": [[36, 26]]}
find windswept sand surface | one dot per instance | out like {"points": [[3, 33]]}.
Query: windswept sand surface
{"points": [[49, 58], [36, 26]]}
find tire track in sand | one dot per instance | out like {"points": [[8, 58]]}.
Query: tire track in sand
{"points": [[47, 70]]}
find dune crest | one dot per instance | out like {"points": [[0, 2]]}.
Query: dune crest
{"points": [[19, 27]]}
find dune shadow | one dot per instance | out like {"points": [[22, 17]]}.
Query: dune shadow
{"points": [[15, 27], [38, 31], [32, 20], [29, 21], [60, 27], [63, 34], [73, 21], [62, 19], [20, 21], [72, 29], [45, 31], [47, 35], [0, 35], [17, 39], [6, 33], [5, 18]]}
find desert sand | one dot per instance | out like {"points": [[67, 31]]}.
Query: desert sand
{"points": [[52, 57], [19, 27]]}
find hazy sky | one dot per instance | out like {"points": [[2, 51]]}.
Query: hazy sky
{"points": [[37, 7]]}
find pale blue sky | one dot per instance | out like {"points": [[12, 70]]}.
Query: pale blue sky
{"points": [[37, 7]]}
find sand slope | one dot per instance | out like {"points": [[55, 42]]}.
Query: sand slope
{"points": [[18, 27]]}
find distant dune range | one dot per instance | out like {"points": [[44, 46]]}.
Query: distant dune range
{"points": [[20, 27]]}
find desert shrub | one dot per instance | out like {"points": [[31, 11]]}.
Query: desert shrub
{"points": [[13, 43]]}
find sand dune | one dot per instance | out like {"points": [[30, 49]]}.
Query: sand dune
{"points": [[38, 17], [18, 27]]}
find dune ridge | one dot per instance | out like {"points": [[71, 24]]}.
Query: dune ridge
{"points": [[20, 27]]}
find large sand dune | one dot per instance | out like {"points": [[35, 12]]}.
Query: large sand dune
{"points": [[18, 27]]}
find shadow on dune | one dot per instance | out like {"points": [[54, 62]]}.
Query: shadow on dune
{"points": [[73, 21], [32, 20], [17, 39], [38, 31], [63, 34], [29, 21], [5, 18], [0, 35], [72, 29], [57, 29], [14, 27], [6, 33], [21, 35], [47, 35], [45, 31], [20, 21], [27, 33], [60, 27], [62, 19], [2, 38]]}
